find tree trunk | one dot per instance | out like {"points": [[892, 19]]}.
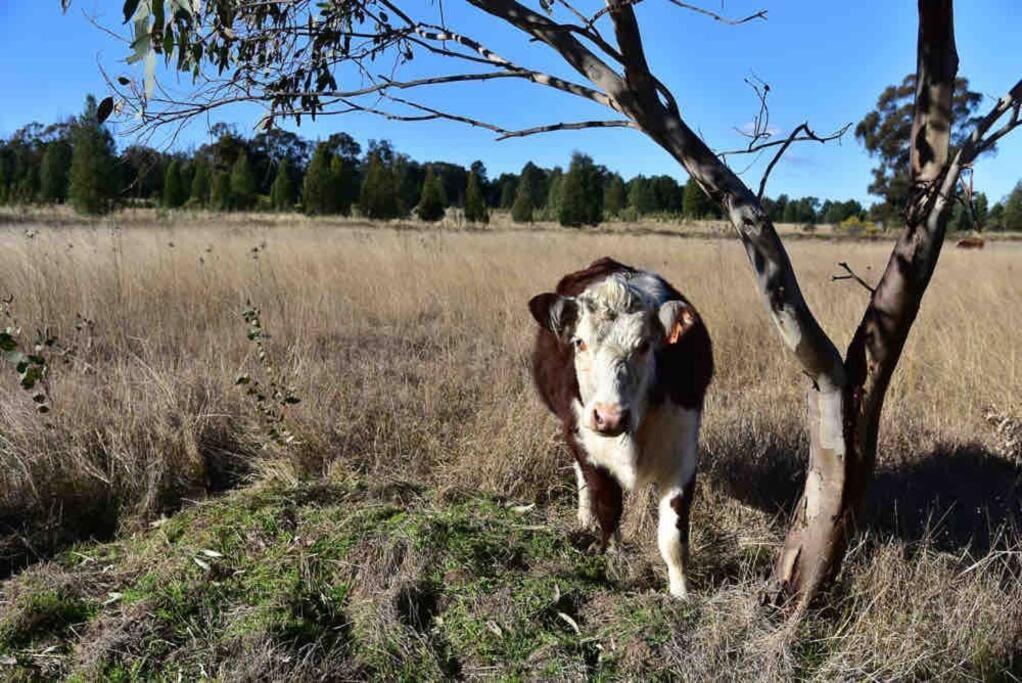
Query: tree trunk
{"points": [[845, 399], [826, 514]]}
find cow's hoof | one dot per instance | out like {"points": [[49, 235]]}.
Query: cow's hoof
{"points": [[678, 590], [587, 520]]}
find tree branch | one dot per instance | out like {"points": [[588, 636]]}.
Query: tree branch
{"points": [[616, 123], [684, 5], [809, 135], [851, 275]]}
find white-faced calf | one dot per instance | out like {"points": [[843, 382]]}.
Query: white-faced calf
{"points": [[624, 361]]}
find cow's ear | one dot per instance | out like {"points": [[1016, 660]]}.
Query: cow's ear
{"points": [[677, 318], [555, 313]]}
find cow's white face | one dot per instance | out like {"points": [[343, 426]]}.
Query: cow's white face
{"points": [[614, 329]]}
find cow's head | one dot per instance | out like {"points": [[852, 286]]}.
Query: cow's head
{"points": [[614, 329]]}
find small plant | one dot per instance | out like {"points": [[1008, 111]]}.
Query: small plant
{"points": [[30, 366], [272, 397]]}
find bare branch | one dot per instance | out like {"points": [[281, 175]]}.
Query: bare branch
{"points": [[579, 125], [794, 137], [851, 275], [684, 5], [774, 143]]}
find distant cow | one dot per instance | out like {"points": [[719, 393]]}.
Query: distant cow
{"points": [[624, 361], [971, 243]]}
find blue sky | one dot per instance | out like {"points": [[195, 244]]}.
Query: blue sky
{"points": [[825, 63]]}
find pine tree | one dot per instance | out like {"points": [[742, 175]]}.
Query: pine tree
{"points": [[344, 179], [1012, 212], [92, 185], [201, 184], [174, 194], [475, 205], [552, 201], [220, 193], [521, 210], [318, 195], [614, 196], [53, 183], [243, 184], [695, 204], [581, 200], [433, 200], [641, 197], [378, 199], [282, 193], [507, 195]]}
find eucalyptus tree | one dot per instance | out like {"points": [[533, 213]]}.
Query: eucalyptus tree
{"points": [[289, 56]]}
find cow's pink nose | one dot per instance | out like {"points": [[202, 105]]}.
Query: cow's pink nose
{"points": [[610, 419]]}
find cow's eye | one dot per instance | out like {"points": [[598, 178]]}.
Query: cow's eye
{"points": [[643, 347], [580, 345]]}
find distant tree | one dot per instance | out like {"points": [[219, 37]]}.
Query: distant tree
{"points": [[201, 184], [174, 192], [837, 212], [271, 148], [669, 195], [92, 178], [885, 133], [695, 203], [615, 196], [1011, 214], [995, 217], [777, 208], [581, 193], [554, 187], [379, 199], [534, 182], [475, 205], [478, 169], [220, 193], [53, 177], [641, 197], [282, 192], [508, 191], [433, 201], [344, 181], [319, 196], [522, 210], [243, 184], [142, 173]]}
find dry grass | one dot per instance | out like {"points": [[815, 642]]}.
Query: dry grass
{"points": [[409, 352]]}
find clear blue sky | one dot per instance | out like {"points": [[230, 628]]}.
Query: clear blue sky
{"points": [[825, 62]]}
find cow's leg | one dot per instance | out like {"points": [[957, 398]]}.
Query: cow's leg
{"points": [[676, 491], [606, 501], [586, 517]]}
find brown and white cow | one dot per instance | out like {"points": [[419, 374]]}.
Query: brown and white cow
{"points": [[624, 361]]}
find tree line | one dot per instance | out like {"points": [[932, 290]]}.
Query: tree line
{"points": [[76, 161]]}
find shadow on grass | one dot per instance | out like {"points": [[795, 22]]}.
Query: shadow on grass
{"points": [[961, 497], [95, 513]]}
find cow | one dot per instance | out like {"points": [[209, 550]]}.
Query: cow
{"points": [[624, 361]]}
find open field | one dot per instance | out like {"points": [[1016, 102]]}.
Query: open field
{"points": [[421, 525]]}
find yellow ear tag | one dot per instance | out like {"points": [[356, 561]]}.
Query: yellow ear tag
{"points": [[681, 326]]}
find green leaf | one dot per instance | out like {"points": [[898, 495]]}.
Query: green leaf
{"points": [[168, 41], [106, 107]]}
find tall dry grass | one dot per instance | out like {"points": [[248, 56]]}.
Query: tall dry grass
{"points": [[409, 352]]}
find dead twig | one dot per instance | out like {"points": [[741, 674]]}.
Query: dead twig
{"points": [[851, 275]]}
